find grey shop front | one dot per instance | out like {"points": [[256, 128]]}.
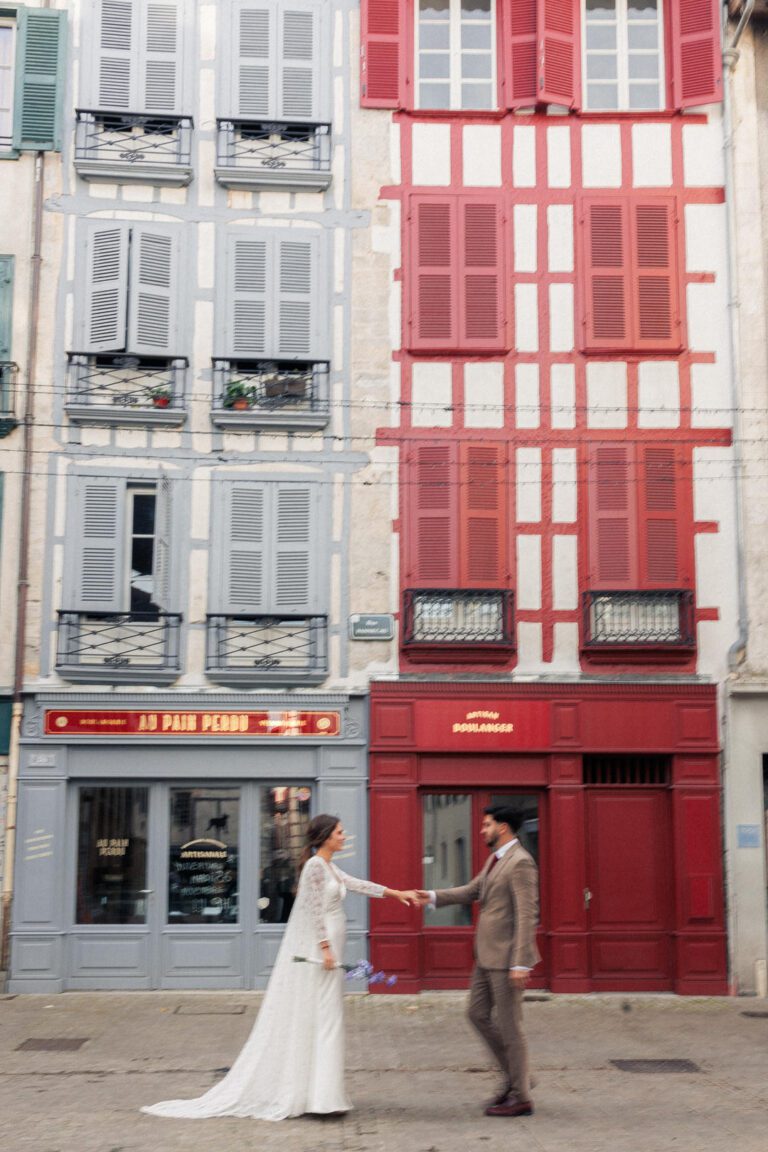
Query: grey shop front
{"points": [[157, 843]]}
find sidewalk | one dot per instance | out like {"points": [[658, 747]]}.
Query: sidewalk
{"points": [[417, 1076]]}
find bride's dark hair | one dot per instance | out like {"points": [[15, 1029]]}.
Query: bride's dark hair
{"points": [[318, 831]]}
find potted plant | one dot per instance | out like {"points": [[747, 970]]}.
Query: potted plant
{"points": [[161, 395], [238, 394]]}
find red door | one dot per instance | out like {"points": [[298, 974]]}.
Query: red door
{"points": [[629, 893]]}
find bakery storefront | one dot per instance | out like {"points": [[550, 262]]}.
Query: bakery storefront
{"points": [[157, 847], [618, 790]]}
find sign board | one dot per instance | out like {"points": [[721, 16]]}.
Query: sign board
{"points": [[195, 723], [369, 627], [484, 725]]}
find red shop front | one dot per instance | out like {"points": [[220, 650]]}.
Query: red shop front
{"points": [[617, 786]]}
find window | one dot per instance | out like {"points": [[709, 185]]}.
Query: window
{"points": [[443, 821], [112, 856], [203, 863], [623, 55], [7, 54], [285, 814], [142, 506], [456, 54], [136, 56]]}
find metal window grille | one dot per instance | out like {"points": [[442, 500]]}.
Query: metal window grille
{"points": [[271, 385], [448, 616], [126, 381], [133, 138], [119, 640], [275, 146], [271, 644], [664, 617], [633, 771]]}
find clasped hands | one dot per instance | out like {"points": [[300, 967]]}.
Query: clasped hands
{"points": [[411, 896]]}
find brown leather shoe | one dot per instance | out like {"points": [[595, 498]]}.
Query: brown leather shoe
{"points": [[511, 1108]]}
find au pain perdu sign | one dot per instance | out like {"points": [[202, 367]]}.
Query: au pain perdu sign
{"points": [[103, 724]]}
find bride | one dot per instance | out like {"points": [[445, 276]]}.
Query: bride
{"points": [[293, 1060]]}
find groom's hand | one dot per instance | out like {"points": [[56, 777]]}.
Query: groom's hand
{"points": [[518, 977], [422, 897]]}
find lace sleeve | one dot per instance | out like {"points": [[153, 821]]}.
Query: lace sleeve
{"points": [[314, 877], [362, 887]]}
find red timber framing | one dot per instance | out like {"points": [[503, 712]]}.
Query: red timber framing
{"points": [[625, 779]]}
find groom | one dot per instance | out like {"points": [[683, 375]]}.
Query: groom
{"points": [[505, 952]]}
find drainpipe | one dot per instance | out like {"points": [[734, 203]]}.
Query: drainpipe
{"points": [[23, 566]]}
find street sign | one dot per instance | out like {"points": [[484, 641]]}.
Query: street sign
{"points": [[371, 627]]}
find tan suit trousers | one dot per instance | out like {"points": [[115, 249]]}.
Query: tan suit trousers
{"points": [[496, 1012]]}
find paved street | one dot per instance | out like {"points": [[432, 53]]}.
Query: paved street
{"points": [[417, 1075]]}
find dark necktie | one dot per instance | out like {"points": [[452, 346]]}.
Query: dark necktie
{"points": [[492, 865]]}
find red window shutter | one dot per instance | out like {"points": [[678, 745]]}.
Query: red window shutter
{"points": [[432, 560], [482, 515], [606, 267], [655, 308], [482, 297], [659, 518], [697, 69], [381, 53], [433, 279], [558, 52], [519, 54], [613, 523]]}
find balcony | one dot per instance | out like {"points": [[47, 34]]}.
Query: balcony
{"points": [[448, 625], [252, 650], [270, 394], [8, 396], [123, 389], [260, 154], [639, 625], [133, 147], [119, 647]]}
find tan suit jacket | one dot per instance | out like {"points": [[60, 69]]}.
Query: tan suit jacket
{"points": [[509, 910]]}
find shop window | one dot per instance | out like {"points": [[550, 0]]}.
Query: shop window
{"points": [[623, 55], [456, 54], [203, 864], [112, 855], [445, 824], [285, 814]]}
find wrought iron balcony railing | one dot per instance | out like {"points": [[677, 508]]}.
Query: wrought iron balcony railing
{"points": [[263, 154], [8, 397], [117, 388], [639, 619], [136, 647], [262, 393], [147, 148], [459, 617], [267, 649]]}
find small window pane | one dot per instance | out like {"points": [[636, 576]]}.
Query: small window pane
{"points": [[643, 67], [446, 852], [476, 36], [203, 861], [643, 36], [644, 96], [112, 856], [434, 36], [144, 513], [601, 67], [476, 9], [435, 9], [601, 36], [434, 96], [601, 9], [476, 67], [476, 96], [284, 820], [602, 96], [643, 9], [435, 66]]}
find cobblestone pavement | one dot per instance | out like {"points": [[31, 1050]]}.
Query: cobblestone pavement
{"points": [[417, 1075]]}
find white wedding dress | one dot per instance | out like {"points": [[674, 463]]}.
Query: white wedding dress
{"points": [[293, 1060]]}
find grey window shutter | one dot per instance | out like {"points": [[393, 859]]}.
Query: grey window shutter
{"points": [[253, 64], [98, 537], [6, 306], [159, 58], [106, 287], [163, 551], [246, 319], [299, 60], [297, 288], [295, 520], [154, 284], [39, 79], [243, 586], [117, 44]]}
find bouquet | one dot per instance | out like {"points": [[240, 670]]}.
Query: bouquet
{"points": [[362, 970]]}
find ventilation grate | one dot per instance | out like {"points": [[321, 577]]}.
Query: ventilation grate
{"points": [[656, 1066], [638, 771]]}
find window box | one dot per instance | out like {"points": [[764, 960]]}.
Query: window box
{"points": [[632, 625], [444, 624], [258, 154], [119, 647], [270, 394], [260, 649], [8, 418], [133, 147], [124, 389]]}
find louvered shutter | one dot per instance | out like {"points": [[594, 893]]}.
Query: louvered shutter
{"points": [[39, 79], [246, 314], [243, 586], [163, 550], [253, 65], [159, 57], [432, 559], [98, 541], [558, 55], [116, 45], [482, 293], [6, 313], [382, 49], [294, 521], [519, 54], [606, 264], [659, 518], [613, 521], [482, 517], [154, 285], [656, 320], [697, 67], [433, 279], [296, 291], [298, 61], [106, 287]]}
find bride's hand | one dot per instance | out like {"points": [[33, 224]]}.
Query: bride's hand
{"points": [[329, 960], [406, 898]]}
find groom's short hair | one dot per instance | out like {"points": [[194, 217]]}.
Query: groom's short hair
{"points": [[503, 814]]}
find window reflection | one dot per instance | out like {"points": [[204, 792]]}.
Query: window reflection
{"points": [[527, 808], [204, 859], [447, 833], [285, 813], [112, 856]]}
